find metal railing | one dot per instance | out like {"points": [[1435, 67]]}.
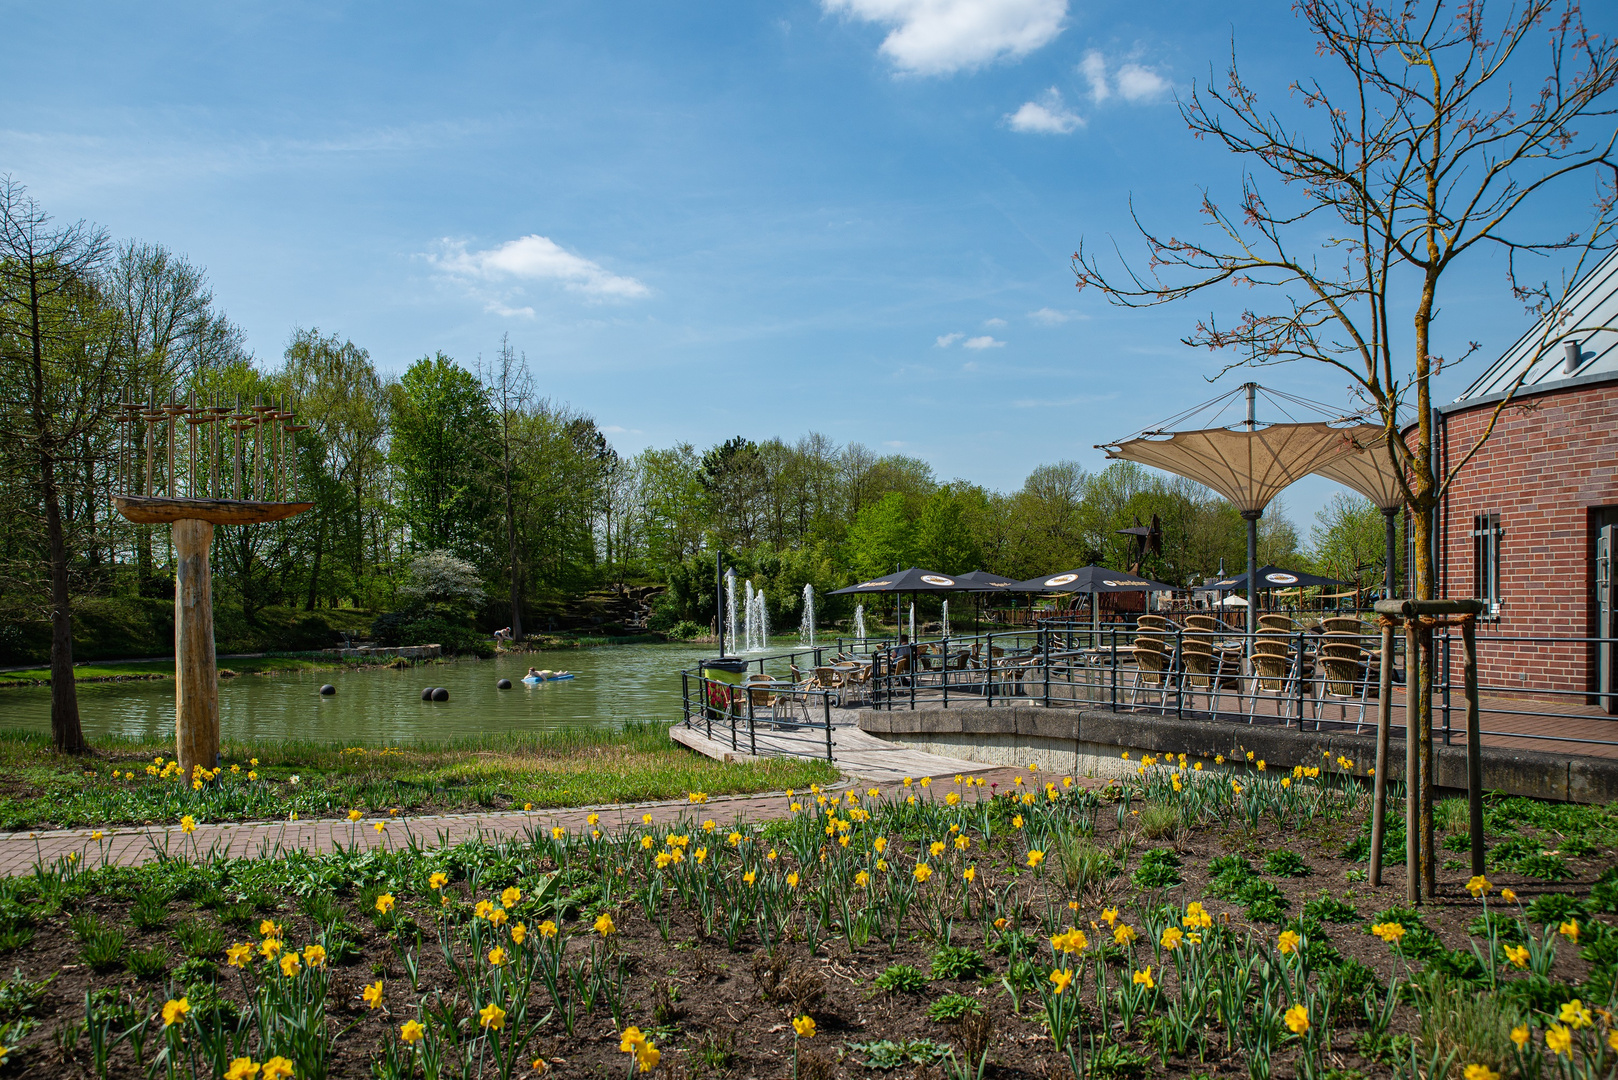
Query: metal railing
{"points": [[1277, 676]]}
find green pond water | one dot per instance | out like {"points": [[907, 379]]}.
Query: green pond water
{"points": [[613, 684]]}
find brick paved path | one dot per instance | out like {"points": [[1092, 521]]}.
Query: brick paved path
{"points": [[20, 852]]}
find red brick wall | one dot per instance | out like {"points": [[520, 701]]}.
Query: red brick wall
{"points": [[1544, 468]]}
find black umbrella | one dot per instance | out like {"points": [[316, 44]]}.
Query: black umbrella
{"points": [[981, 581], [1273, 577], [1091, 579], [910, 581]]}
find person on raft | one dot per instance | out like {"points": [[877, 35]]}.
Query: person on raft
{"points": [[546, 674]]}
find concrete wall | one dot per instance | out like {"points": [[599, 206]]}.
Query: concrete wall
{"points": [[1090, 743]]}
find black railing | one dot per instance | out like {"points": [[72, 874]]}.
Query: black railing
{"points": [[1281, 675]]}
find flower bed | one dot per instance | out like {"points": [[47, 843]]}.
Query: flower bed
{"points": [[1193, 921]]}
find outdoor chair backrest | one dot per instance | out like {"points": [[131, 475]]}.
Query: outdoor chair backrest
{"points": [[761, 698], [1342, 674], [1340, 625], [1155, 644], [1151, 661], [1273, 621], [1201, 622], [1273, 669], [1273, 641], [797, 675], [827, 676], [1152, 622]]}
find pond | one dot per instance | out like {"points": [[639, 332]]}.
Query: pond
{"points": [[613, 684]]}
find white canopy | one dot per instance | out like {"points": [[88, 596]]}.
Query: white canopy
{"points": [[1248, 466], [1367, 470]]}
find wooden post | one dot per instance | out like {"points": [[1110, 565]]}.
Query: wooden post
{"points": [[196, 690], [1412, 765], [1429, 772], [1474, 744], [1384, 724]]}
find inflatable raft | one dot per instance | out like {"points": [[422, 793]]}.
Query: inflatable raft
{"points": [[533, 679]]}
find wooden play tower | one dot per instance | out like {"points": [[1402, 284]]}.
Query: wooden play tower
{"points": [[192, 467]]}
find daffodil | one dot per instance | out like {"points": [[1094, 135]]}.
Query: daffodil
{"points": [[411, 1032], [1297, 1019], [492, 1017], [804, 1026], [1061, 977], [1144, 978], [174, 1011], [373, 994], [603, 925]]}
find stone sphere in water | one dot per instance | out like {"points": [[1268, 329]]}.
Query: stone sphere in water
{"points": [[327, 690], [440, 694], [503, 684], [427, 693]]}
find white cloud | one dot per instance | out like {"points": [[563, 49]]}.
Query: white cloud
{"points": [[496, 275], [1049, 316], [1138, 84], [1047, 116], [1135, 83], [994, 322], [1094, 69], [984, 342], [938, 37], [946, 340]]}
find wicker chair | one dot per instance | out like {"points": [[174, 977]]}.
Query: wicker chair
{"points": [[1271, 620], [1275, 671], [1345, 676], [1151, 671]]}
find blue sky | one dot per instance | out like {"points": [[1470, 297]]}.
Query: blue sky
{"points": [[696, 219]]}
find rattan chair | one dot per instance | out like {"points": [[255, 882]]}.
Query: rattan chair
{"points": [[1151, 671], [1275, 668]]}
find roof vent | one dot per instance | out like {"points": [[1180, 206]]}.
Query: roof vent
{"points": [[1571, 358]]}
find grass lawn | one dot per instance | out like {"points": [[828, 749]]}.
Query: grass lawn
{"points": [[164, 669], [261, 781]]}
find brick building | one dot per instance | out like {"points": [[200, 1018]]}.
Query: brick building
{"points": [[1530, 520]]}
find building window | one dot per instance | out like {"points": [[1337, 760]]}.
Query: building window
{"points": [[1486, 542]]}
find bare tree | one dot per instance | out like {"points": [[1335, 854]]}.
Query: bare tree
{"points": [[58, 356], [510, 389], [1427, 157]]}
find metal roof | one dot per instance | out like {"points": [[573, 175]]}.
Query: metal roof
{"points": [[1592, 303]]}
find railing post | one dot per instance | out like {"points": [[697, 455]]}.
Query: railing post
{"points": [[685, 697], [1298, 673], [988, 652], [826, 701], [1176, 667], [1114, 665], [707, 704], [752, 735], [1444, 674]]}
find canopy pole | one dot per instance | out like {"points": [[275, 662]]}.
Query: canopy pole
{"points": [[1392, 552], [1251, 517]]}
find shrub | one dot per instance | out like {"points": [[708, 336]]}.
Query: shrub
{"points": [[149, 964], [1159, 869], [101, 947], [1543, 866], [149, 911], [1330, 909], [685, 630], [901, 979], [958, 962], [1419, 942], [1554, 908], [200, 939], [1286, 863], [951, 1007], [1159, 821]]}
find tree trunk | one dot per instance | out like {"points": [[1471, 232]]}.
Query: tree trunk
{"points": [[66, 733], [314, 573]]}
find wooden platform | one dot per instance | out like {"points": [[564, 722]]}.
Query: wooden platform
{"points": [[853, 751]]}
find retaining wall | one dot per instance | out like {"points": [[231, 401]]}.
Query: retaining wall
{"points": [[1091, 743]]}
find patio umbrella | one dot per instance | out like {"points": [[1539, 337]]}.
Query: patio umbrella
{"points": [[913, 580], [1249, 465], [1370, 472], [1273, 577], [1091, 580], [981, 581]]}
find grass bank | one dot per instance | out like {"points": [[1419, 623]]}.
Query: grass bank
{"points": [[269, 780], [229, 667]]}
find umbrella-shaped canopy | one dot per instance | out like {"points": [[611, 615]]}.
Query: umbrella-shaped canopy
{"points": [[1091, 579], [912, 581], [1273, 577], [983, 581], [1250, 467], [1367, 470]]}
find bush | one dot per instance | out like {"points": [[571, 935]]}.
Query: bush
{"points": [[685, 630], [149, 965], [1330, 909], [1286, 863], [901, 979], [958, 962], [1159, 869], [951, 1007], [1555, 908]]}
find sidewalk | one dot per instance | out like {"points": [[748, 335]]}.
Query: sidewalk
{"points": [[21, 851]]}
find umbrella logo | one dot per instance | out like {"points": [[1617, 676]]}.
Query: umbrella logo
{"points": [[1119, 584], [1061, 579], [870, 584], [1282, 579], [934, 579]]}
